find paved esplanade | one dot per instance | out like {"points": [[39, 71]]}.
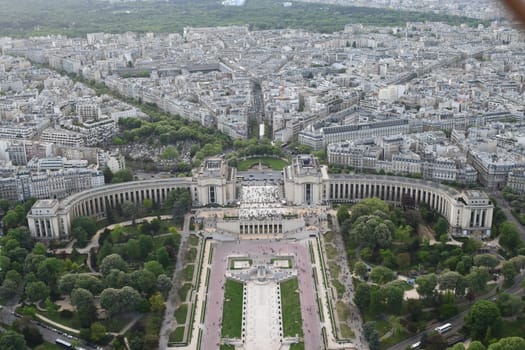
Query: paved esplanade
{"points": [[261, 250], [262, 316]]}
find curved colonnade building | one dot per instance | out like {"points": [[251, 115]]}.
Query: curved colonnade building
{"points": [[305, 183]]}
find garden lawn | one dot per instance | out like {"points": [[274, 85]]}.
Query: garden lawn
{"points": [[291, 308], [274, 163], [177, 335], [232, 309]]}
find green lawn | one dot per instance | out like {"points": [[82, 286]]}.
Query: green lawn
{"points": [[335, 269], [183, 291], [177, 335], [339, 288], [343, 311], [232, 309], [274, 163], [346, 332], [67, 319], [331, 252], [329, 236], [116, 323], [291, 308], [297, 346], [191, 254], [193, 240], [181, 313], [227, 347], [188, 272]]}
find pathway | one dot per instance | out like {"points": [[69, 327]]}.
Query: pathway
{"points": [[93, 242], [173, 296], [345, 278], [56, 324]]}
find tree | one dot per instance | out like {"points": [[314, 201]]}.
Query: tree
{"points": [[11, 340], [372, 231], [441, 227], [10, 219], [39, 249], [362, 296], [88, 224], [163, 284], [392, 298], [133, 249], [90, 282], [36, 291], [156, 302], [147, 204], [476, 345], [82, 299], [381, 275], [180, 201], [108, 175], [146, 245], [66, 283], [163, 257], [32, 335], [395, 323], [509, 238], [518, 262], [371, 335], [121, 300], [510, 343], [487, 260], [7, 290], [477, 279], [482, 316], [154, 267], [169, 153], [49, 270], [368, 206], [509, 305], [80, 235], [360, 269], [426, 285], [434, 342], [113, 261], [144, 281], [452, 280], [128, 210], [509, 272], [342, 214], [123, 175], [98, 332]]}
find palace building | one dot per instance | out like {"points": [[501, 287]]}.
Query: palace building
{"points": [[263, 208]]}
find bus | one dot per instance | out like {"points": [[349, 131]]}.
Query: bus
{"points": [[444, 328], [63, 343]]}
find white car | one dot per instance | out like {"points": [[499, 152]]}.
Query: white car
{"points": [[415, 345]]}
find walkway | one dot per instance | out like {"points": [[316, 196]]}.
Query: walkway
{"points": [[262, 316], [56, 324], [345, 278], [93, 243], [173, 296]]}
